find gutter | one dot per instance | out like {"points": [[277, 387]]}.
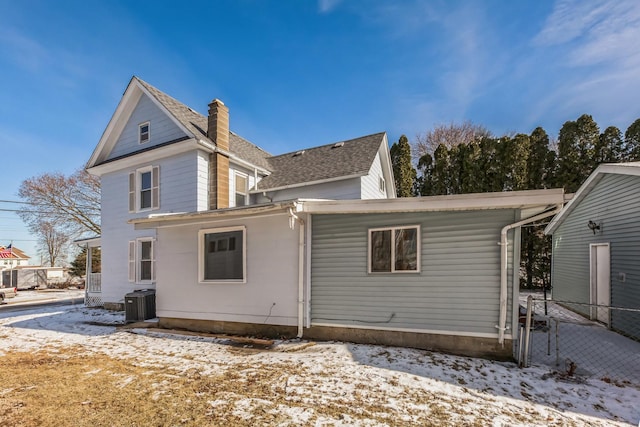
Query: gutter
{"points": [[292, 219], [504, 262]]}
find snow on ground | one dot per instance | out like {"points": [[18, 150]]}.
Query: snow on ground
{"points": [[475, 390], [43, 295]]}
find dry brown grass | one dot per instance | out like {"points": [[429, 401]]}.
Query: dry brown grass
{"points": [[68, 388]]}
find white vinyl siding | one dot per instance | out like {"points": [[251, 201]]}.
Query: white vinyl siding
{"points": [[144, 189], [144, 132], [222, 255], [374, 184], [142, 260], [164, 129]]}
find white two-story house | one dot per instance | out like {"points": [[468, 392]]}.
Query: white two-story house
{"points": [[158, 157], [310, 243]]}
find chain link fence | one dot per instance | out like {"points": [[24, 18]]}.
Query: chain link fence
{"points": [[581, 340]]}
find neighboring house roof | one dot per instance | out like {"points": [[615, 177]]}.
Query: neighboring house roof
{"points": [[342, 159], [630, 168], [15, 253]]}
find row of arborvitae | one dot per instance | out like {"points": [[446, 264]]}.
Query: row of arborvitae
{"points": [[467, 158]]}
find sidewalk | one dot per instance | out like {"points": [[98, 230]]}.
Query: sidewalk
{"points": [[43, 295]]}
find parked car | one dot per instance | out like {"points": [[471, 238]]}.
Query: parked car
{"points": [[7, 293]]}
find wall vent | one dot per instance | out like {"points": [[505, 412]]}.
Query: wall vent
{"points": [[338, 144], [298, 153]]}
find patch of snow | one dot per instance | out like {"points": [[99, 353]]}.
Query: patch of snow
{"points": [[473, 391]]}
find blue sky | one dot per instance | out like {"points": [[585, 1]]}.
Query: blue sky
{"points": [[297, 73]]}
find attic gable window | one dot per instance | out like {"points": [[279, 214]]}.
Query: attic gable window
{"points": [[394, 249], [143, 132]]}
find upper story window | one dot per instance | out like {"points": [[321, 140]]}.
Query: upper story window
{"points": [[144, 189], [394, 249], [143, 132], [242, 189], [381, 184]]}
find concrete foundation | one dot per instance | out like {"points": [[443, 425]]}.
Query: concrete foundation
{"points": [[114, 306], [453, 344]]}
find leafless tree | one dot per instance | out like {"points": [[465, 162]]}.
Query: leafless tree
{"points": [[449, 135], [52, 243], [71, 204]]}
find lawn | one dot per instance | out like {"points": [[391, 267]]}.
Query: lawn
{"points": [[67, 366]]}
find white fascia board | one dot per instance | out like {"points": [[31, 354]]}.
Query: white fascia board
{"points": [[179, 219], [137, 159], [123, 111], [305, 184], [461, 202], [387, 167], [630, 168]]}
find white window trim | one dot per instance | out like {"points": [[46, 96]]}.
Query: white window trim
{"points": [[134, 191], [382, 185], [246, 190], [393, 251], [148, 124], [135, 257], [201, 254]]}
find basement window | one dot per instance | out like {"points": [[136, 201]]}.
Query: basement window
{"points": [[143, 133], [394, 249]]}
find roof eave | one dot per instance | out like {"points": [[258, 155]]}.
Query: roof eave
{"points": [[631, 168]]}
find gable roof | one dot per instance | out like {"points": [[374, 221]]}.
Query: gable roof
{"points": [[351, 158], [197, 125], [190, 121], [14, 254], [630, 168]]}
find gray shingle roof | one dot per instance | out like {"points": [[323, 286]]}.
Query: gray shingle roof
{"points": [[196, 123], [346, 158], [354, 157]]}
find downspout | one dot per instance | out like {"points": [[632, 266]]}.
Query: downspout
{"points": [[504, 263], [293, 217]]}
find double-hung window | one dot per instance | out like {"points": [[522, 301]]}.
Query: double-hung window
{"points": [[143, 132], [222, 255], [241, 182], [394, 249], [144, 189], [142, 260]]}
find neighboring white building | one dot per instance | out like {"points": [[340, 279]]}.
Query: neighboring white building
{"points": [[12, 257]]}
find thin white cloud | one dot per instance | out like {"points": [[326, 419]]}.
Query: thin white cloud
{"points": [[326, 6]]}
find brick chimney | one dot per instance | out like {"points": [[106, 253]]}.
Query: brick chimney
{"points": [[218, 132]]}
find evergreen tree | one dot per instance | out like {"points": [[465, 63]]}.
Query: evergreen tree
{"points": [[489, 161], [403, 171], [424, 184], [632, 142], [440, 174], [515, 155], [610, 147], [79, 264], [576, 151]]}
